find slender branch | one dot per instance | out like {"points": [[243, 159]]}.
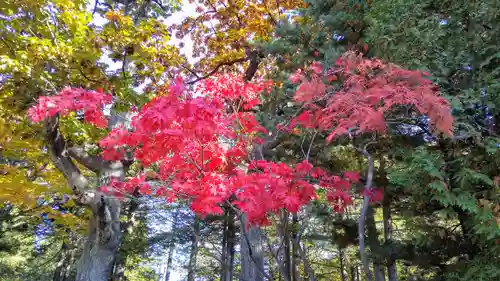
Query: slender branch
{"points": [[191, 71], [88, 78], [95, 7], [216, 69]]}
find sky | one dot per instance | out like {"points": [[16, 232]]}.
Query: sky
{"points": [[188, 9]]}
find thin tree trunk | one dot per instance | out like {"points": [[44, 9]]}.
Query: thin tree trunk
{"points": [[171, 248], [391, 262], [286, 246], [223, 259], [231, 245], [194, 250], [386, 210], [341, 260], [228, 243], [59, 273], [169, 261], [363, 215], [378, 268], [353, 273], [307, 267], [295, 250], [126, 228]]}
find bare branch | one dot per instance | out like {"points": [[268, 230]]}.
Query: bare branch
{"points": [[215, 70]]}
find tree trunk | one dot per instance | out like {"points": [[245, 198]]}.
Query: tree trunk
{"points": [[386, 210], [364, 214], [353, 273], [169, 261], [228, 243], [127, 227], [171, 248], [295, 246], [59, 273], [286, 246], [341, 260], [194, 250], [231, 244], [98, 255], [96, 262], [378, 268], [391, 262], [251, 255]]}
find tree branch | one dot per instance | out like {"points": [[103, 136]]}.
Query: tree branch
{"points": [[215, 70], [91, 162], [63, 162]]}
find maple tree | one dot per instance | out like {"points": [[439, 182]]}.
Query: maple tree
{"points": [[198, 146], [369, 91]]}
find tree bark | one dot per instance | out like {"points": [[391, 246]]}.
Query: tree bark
{"points": [[223, 258], [391, 262], [353, 273], [228, 243], [127, 227], [286, 246], [98, 255], [363, 215], [295, 246], [169, 261], [378, 268], [341, 260], [251, 254], [96, 261], [171, 247], [194, 250]]}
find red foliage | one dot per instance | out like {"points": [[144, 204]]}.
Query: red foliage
{"points": [[200, 149], [375, 194], [72, 100], [370, 90], [232, 88]]}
